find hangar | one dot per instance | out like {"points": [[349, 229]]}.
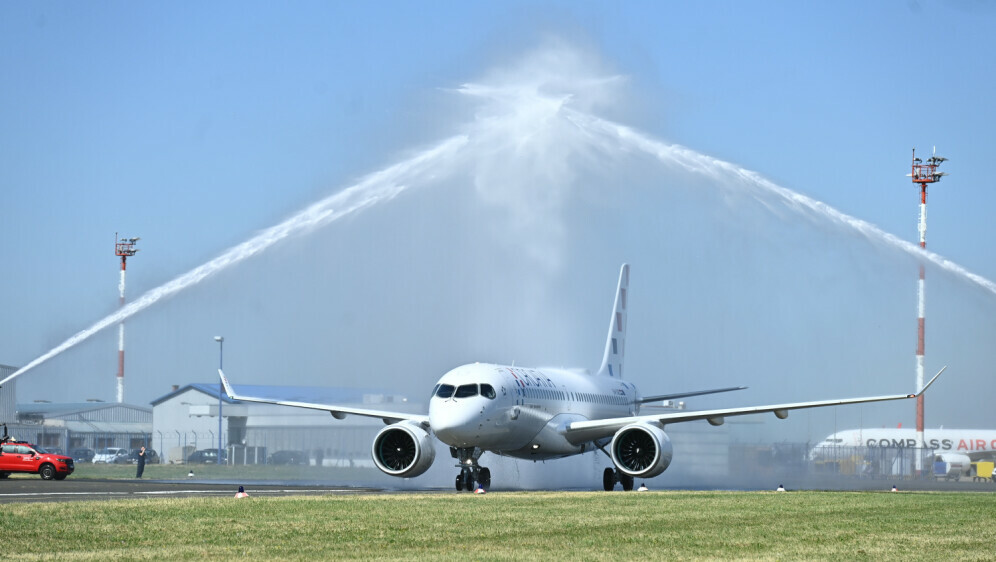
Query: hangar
{"points": [[92, 424], [186, 419]]}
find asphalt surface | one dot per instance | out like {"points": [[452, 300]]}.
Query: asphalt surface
{"points": [[31, 488], [34, 489]]}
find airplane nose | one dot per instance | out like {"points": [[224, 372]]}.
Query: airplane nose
{"points": [[453, 423]]}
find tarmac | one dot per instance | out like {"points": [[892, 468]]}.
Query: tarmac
{"points": [[34, 489], [31, 488]]}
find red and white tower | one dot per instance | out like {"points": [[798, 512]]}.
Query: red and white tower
{"points": [[123, 247], [922, 174]]}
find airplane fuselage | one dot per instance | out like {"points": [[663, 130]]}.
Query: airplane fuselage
{"points": [[973, 442], [521, 412]]}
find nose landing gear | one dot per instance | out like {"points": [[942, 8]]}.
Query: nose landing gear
{"points": [[470, 471]]}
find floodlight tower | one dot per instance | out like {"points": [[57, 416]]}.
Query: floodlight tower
{"points": [[123, 247], [924, 175]]}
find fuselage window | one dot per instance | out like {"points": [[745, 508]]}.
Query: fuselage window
{"points": [[444, 391], [488, 391], [466, 391]]}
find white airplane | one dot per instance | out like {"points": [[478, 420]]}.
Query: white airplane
{"points": [[956, 447], [539, 414]]}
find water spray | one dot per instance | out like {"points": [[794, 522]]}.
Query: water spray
{"points": [[526, 112], [374, 188], [125, 248]]}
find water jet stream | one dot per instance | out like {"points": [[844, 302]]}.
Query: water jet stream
{"points": [[718, 169], [374, 188], [388, 183]]}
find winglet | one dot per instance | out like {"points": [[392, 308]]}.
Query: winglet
{"points": [[228, 387], [926, 386]]}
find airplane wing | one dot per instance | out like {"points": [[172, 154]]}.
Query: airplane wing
{"points": [[663, 397], [338, 412], [584, 431]]}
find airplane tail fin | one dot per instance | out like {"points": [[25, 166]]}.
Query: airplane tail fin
{"points": [[615, 343]]}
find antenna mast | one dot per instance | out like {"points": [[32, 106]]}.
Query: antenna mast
{"points": [[123, 247], [924, 175]]}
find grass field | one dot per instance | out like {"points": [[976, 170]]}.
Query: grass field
{"points": [[514, 526]]}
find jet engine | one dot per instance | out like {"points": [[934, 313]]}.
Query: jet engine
{"points": [[641, 449], [403, 449], [952, 466]]}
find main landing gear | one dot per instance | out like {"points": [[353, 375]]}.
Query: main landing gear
{"points": [[611, 476], [470, 472]]}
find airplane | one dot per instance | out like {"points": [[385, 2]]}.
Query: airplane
{"points": [[957, 447], [541, 414]]}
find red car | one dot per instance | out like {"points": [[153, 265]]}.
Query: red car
{"points": [[20, 456]]}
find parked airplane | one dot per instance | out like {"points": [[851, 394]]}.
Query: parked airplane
{"points": [[948, 443], [538, 414]]}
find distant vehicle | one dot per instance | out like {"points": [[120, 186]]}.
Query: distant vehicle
{"points": [[952, 466], [23, 457], [151, 457], [82, 455], [288, 457], [55, 450], [109, 454], [207, 456]]}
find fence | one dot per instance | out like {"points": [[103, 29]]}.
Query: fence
{"points": [[908, 463], [323, 446]]}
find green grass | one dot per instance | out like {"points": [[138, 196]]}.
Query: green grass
{"points": [[514, 526]]}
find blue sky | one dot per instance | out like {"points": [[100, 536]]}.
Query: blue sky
{"points": [[196, 126]]}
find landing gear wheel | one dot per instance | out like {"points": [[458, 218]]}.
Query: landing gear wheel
{"points": [[459, 482], [608, 479], [627, 481], [468, 480], [484, 478]]}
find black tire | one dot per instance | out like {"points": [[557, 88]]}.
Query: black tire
{"points": [[484, 478], [459, 482], [61, 476], [47, 472], [627, 482], [4, 475], [468, 480], [608, 479]]}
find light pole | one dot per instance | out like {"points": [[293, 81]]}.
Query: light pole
{"points": [[221, 387]]}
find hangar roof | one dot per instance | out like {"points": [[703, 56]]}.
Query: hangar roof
{"points": [[318, 394]]}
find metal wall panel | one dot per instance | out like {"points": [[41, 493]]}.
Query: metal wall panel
{"points": [[8, 402]]}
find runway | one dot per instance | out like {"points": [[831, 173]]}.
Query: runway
{"points": [[26, 490]]}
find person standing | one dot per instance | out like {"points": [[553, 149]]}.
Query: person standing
{"points": [[141, 462]]}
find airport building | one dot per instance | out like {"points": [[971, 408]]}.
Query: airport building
{"points": [[186, 420], [8, 401], [91, 425]]}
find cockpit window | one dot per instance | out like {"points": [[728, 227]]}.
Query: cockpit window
{"points": [[466, 391], [444, 391], [488, 391]]}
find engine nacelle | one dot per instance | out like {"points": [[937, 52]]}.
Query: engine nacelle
{"points": [[403, 449], [642, 450], [952, 465]]}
